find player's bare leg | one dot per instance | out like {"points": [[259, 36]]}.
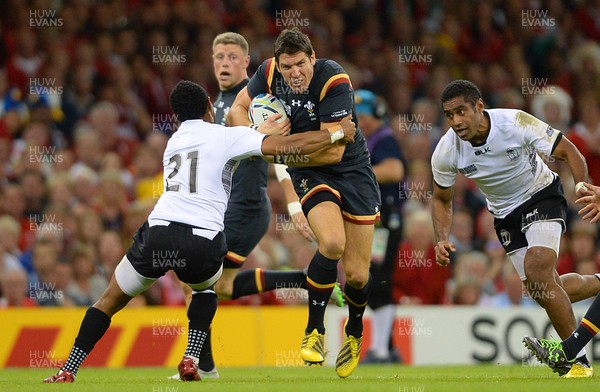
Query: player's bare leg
{"points": [[355, 260], [187, 293], [113, 299], [224, 286], [357, 254], [580, 287], [544, 287], [93, 326]]}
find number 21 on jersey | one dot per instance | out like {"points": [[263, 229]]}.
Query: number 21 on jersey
{"points": [[183, 172]]}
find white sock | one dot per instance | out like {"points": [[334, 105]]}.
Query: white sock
{"points": [[381, 326]]}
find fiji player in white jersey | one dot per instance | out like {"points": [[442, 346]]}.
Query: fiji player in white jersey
{"points": [[184, 231], [502, 151]]}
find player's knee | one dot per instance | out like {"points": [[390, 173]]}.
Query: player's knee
{"points": [[224, 291], [357, 278], [332, 247], [539, 264]]}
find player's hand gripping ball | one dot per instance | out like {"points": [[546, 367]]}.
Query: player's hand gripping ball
{"points": [[263, 106]]}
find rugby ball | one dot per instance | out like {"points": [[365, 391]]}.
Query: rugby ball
{"points": [[263, 106]]}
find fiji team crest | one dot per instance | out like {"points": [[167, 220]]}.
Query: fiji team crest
{"points": [[513, 154]]}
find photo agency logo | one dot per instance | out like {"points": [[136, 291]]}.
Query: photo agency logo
{"points": [[291, 155], [536, 86], [44, 154], [44, 19], [290, 18], [414, 191], [283, 223], [414, 54], [168, 258], [164, 388], [413, 259], [413, 123], [44, 86], [413, 327], [167, 55], [536, 19], [44, 359], [157, 190], [539, 291], [44, 292], [281, 88], [164, 123], [45, 222], [288, 358], [411, 388], [167, 327], [290, 292]]}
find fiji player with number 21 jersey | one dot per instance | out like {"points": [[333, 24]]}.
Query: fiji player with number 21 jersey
{"points": [[186, 225]]}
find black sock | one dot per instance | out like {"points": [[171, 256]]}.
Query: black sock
{"points": [[200, 313], [357, 303], [320, 278], [93, 326], [206, 360], [257, 280], [588, 328]]}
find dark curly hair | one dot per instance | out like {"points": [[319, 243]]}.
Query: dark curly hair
{"points": [[468, 90], [188, 101]]}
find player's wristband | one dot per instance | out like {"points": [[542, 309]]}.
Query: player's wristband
{"points": [[294, 208], [580, 186], [336, 133], [254, 126], [281, 172]]}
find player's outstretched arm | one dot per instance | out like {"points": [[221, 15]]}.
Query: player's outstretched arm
{"points": [[566, 151], [591, 201], [329, 155], [441, 213], [307, 142]]}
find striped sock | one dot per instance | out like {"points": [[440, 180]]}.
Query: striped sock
{"points": [[588, 328], [320, 279], [357, 303], [257, 280]]}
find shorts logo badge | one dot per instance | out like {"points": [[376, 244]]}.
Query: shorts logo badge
{"points": [[304, 184], [505, 237]]}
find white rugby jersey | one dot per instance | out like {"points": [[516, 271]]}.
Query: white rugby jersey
{"points": [[507, 168], [198, 165]]}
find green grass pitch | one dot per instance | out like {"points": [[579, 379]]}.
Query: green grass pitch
{"points": [[366, 378]]}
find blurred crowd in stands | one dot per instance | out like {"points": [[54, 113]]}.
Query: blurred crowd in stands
{"points": [[84, 120]]}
